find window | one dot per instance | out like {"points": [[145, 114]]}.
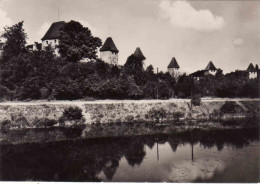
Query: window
{"points": [[55, 41], [46, 42]]}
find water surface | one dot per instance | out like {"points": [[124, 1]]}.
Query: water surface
{"points": [[190, 156]]}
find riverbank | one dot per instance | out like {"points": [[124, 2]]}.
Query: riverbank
{"points": [[20, 115]]}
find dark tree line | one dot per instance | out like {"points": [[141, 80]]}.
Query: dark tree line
{"points": [[31, 75]]}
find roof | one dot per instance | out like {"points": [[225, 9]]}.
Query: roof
{"points": [[251, 68], [173, 63], [29, 46], [109, 45], [199, 73], [138, 53], [38, 46], [54, 31], [211, 66]]}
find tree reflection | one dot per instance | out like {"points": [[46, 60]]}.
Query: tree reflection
{"points": [[84, 160], [135, 154]]}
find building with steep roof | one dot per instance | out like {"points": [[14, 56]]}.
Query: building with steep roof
{"points": [[211, 68], [52, 36], [34, 47], [199, 74], [173, 68], [138, 53], [1, 48], [109, 52], [252, 71]]}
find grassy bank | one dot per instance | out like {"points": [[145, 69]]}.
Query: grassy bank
{"points": [[20, 115]]}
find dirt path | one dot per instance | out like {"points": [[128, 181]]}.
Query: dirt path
{"points": [[78, 102]]}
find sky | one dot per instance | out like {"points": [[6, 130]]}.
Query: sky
{"points": [[194, 32]]}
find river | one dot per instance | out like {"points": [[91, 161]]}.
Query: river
{"points": [[189, 156]]}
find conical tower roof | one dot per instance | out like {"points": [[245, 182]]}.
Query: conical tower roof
{"points": [[211, 66], [251, 68], [109, 45], [173, 63], [54, 31], [138, 53]]}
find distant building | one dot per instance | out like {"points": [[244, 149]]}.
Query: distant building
{"points": [[34, 47], [209, 70], [138, 53], [2, 43], [173, 68], [1, 48], [109, 52], [52, 36], [199, 74], [253, 71]]}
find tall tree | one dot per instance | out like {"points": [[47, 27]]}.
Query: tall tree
{"points": [[15, 41], [134, 63], [77, 42]]}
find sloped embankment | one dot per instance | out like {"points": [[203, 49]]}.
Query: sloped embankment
{"points": [[130, 111]]}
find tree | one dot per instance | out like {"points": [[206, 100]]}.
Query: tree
{"points": [[77, 42], [134, 64], [15, 41], [150, 69]]}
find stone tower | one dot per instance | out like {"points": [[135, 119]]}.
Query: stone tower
{"points": [[173, 68], [211, 68], [109, 52], [252, 71]]}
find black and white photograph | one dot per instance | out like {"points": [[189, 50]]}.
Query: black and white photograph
{"points": [[130, 91]]}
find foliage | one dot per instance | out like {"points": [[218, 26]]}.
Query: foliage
{"points": [[72, 113], [37, 75], [229, 107], [44, 122], [77, 42], [195, 100], [177, 115], [5, 124], [15, 41], [156, 114]]}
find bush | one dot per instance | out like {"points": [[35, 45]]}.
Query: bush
{"points": [[5, 124], [195, 100], [129, 118], [156, 114], [21, 122], [44, 122], [229, 107], [72, 113], [177, 115]]}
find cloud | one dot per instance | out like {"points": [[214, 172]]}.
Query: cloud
{"points": [[238, 41], [5, 21], [182, 14]]}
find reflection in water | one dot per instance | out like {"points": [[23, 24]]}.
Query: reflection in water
{"points": [[183, 157]]}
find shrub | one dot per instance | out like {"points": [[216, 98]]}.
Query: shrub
{"points": [[229, 107], [61, 121], [49, 122], [129, 118], [156, 114], [5, 124], [177, 115], [195, 100], [44, 122], [21, 122], [72, 113]]}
